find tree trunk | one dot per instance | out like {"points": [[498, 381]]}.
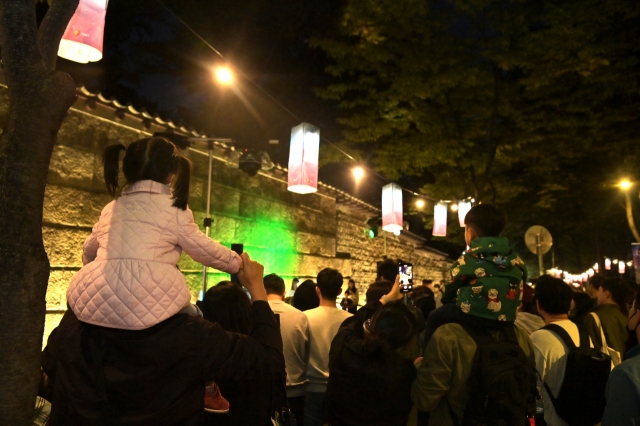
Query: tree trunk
{"points": [[39, 98]]}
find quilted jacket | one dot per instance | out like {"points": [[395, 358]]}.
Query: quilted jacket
{"points": [[129, 279]]}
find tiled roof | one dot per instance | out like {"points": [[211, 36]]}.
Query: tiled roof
{"points": [[149, 123]]}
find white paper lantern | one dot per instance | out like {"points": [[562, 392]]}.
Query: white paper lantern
{"points": [[440, 220], [621, 267], [82, 40], [607, 264], [463, 209], [303, 159], [392, 208]]}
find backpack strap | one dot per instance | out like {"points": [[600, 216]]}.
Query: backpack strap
{"points": [[562, 334]]}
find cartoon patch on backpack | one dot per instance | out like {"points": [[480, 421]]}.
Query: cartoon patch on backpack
{"points": [[512, 293], [500, 261], [465, 307], [494, 303]]}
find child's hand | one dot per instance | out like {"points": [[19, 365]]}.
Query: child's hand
{"points": [[394, 294], [250, 276]]}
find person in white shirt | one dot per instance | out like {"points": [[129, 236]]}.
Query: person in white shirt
{"points": [[324, 322], [553, 300], [294, 328]]}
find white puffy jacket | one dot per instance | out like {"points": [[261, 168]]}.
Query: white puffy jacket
{"points": [[129, 279]]}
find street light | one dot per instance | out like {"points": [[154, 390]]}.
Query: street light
{"points": [[223, 75], [420, 203], [625, 185], [358, 173]]}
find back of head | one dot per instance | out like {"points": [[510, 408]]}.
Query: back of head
{"points": [[305, 297], [553, 295], [619, 291], [486, 220], [154, 159], [392, 327], [583, 304], [228, 305], [274, 284], [329, 283], [596, 281], [387, 270], [424, 300], [377, 290]]}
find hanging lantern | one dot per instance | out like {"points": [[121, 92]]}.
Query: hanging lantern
{"points": [[303, 159], [392, 208], [440, 220], [463, 209], [607, 264], [585, 277], [596, 267], [590, 272], [621, 267], [82, 40]]}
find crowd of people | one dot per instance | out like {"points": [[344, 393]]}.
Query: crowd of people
{"points": [[482, 348]]}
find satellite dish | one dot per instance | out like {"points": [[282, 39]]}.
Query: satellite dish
{"points": [[538, 236]]}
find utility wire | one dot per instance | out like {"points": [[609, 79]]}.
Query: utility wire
{"points": [[247, 78]]}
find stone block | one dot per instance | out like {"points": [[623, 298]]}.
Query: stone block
{"points": [[265, 235], [72, 166], [64, 245], [70, 206], [57, 288], [224, 199], [315, 244], [51, 321]]}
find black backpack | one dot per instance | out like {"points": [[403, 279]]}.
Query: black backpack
{"points": [[581, 399], [502, 384]]}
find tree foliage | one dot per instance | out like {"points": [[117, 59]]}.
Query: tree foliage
{"points": [[532, 105]]}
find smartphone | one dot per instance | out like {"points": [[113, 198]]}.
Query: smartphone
{"points": [[238, 248], [405, 270]]}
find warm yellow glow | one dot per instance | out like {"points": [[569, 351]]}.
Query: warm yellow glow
{"points": [[420, 204], [625, 184], [454, 207], [224, 75], [358, 173]]}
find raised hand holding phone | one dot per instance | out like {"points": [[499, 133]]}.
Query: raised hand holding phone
{"points": [[394, 294]]}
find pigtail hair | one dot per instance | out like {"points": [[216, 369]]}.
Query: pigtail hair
{"points": [[181, 182], [111, 163]]}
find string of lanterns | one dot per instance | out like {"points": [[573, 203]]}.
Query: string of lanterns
{"points": [[578, 279]]}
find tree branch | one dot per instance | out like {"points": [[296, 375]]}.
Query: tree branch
{"points": [[52, 29]]}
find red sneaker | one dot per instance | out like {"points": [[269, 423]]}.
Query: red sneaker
{"points": [[214, 402]]}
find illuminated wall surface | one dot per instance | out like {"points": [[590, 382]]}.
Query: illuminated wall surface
{"points": [[293, 235]]}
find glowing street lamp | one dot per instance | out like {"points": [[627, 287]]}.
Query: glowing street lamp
{"points": [[358, 173], [454, 207], [82, 40], [224, 75], [420, 203]]}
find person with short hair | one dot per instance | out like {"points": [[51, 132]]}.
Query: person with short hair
{"points": [[623, 387], [611, 294], [294, 327], [553, 300], [377, 290], [489, 274], [306, 296], [387, 270], [370, 368], [324, 322]]}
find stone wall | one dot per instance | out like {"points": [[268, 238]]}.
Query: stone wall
{"points": [[293, 235]]}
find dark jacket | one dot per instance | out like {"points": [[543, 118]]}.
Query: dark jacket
{"points": [[366, 388], [614, 325], [154, 376]]}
